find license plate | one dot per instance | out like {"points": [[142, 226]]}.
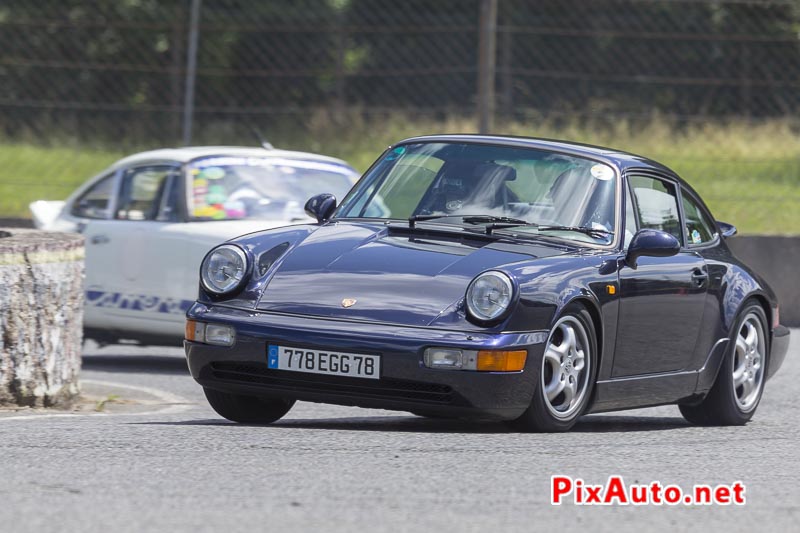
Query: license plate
{"points": [[323, 362]]}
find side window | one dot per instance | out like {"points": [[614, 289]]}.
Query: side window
{"points": [[95, 202], [169, 203], [630, 218], [657, 203], [699, 228], [141, 191]]}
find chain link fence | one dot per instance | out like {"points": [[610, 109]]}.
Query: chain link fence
{"points": [[711, 88]]}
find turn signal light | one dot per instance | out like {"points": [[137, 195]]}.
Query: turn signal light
{"points": [[501, 361], [195, 331]]}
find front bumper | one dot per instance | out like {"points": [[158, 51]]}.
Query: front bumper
{"points": [[405, 383], [779, 348]]}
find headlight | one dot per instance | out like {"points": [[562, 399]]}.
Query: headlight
{"points": [[489, 295], [224, 269]]}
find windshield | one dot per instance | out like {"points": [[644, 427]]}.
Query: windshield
{"points": [[543, 192], [224, 188]]}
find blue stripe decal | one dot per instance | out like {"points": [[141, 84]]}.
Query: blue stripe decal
{"points": [[137, 302]]}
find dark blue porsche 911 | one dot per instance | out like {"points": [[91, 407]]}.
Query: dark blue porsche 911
{"points": [[486, 277]]}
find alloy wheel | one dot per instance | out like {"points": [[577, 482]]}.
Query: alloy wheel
{"points": [[566, 367], [748, 363]]}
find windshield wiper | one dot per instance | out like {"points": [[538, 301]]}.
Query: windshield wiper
{"points": [[420, 218], [496, 221], [591, 232], [481, 219]]}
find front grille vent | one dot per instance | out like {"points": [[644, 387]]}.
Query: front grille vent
{"points": [[253, 373]]}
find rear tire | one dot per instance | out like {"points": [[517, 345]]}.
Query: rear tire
{"points": [[247, 409], [567, 375], [736, 393]]}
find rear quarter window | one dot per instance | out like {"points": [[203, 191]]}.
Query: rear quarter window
{"points": [[699, 227]]}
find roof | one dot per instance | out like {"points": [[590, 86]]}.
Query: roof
{"points": [[622, 160], [191, 153]]}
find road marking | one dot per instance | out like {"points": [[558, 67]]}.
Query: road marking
{"points": [[172, 403]]}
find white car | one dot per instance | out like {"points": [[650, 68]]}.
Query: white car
{"points": [[150, 218]]}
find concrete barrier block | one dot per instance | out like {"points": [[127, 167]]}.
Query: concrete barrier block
{"points": [[41, 316]]}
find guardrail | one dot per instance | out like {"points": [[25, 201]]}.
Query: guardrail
{"points": [[16, 223], [777, 259]]}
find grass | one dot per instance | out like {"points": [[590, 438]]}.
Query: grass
{"points": [[41, 173], [748, 173], [100, 405]]}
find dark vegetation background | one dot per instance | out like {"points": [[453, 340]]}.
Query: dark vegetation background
{"points": [[711, 88]]}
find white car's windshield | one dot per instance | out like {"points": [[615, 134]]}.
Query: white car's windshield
{"points": [[224, 188], [457, 183]]}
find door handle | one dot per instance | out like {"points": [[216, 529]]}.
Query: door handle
{"points": [[99, 239], [699, 277]]}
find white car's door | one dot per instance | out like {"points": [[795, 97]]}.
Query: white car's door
{"points": [[94, 205], [128, 259]]}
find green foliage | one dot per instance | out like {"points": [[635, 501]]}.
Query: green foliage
{"points": [[99, 69]]}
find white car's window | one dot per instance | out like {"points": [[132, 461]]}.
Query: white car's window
{"points": [[95, 202], [170, 210], [657, 203], [140, 192], [224, 188]]}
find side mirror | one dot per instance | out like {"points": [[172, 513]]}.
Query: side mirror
{"points": [[651, 243], [321, 207], [728, 230]]}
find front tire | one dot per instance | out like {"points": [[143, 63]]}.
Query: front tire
{"points": [[247, 409], [567, 376], [736, 393]]}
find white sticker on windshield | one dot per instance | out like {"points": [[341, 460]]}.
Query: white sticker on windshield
{"points": [[602, 172]]}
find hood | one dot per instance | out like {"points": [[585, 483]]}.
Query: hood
{"points": [[392, 275], [222, 230]]}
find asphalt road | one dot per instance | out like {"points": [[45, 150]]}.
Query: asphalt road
{"points": [[171, 464]]}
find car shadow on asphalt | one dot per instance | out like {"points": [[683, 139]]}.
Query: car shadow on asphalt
{"points": [[414, 424], [144, 364], [628, 423]]}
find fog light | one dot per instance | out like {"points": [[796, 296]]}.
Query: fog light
{"points": [[501, 361], [195, 331], [216, 334], [446, 358], [219, 335]]}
